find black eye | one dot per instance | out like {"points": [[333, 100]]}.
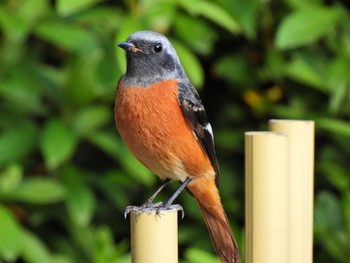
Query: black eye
{"points": [[158, 48]]}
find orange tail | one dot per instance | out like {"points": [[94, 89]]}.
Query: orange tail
{"points": [[207, 196]]}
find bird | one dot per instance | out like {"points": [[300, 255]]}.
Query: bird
{"points": [[161, 119]]}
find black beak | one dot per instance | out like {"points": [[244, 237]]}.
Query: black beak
{"points": [[128, 46]]}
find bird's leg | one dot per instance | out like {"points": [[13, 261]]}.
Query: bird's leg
{"points": [[168, 205], [147, 206], [150, 200]]}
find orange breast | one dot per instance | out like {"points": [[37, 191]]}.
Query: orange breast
{"points": [[151, 123]]}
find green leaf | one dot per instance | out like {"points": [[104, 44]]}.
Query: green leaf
{"points": [[105, 249], [13, 25], [246, 13], [61, 259], [301, 3], [10, 235], [33, 249], [195, 255], [327, 213], [107, 18], [303, 71], [80, 201], [80, 205], [190, 63], [21, 92], [10, 178], [57, 143], [38, 191], [213, 12], [90, 119], [67, 36], [339, 98], [68, 7], [196, 33], [119, 152], [338, 71], [338, 81], [335, 126], [235, 69], [329, 224], [159, 14], [33, 10], [113, 180], [335, 173], [16, 143], [81, 84], [306, 26]]}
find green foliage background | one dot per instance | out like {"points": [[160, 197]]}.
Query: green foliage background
{"points": [[66, 176]]}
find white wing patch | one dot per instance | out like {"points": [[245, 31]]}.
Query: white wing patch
{"points": [[209, 129]]}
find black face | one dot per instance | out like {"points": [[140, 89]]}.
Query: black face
{"points": [[146, 47], [150, 58]]}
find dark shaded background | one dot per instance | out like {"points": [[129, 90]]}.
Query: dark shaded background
{"points": [[66, 176]]}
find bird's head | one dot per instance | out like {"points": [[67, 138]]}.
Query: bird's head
{"points": [[150, 58]]}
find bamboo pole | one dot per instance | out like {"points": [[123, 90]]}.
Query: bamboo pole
{"points": [[266, 197], [154, 237], [300, 182]]}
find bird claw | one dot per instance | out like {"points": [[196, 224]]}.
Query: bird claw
{"points": [[145, 208], [158, 207], [167, 207]]}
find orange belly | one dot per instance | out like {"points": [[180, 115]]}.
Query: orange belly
{"points": [[151, 123]]}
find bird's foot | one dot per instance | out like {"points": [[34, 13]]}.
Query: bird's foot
{"points": [[167, 207], [145, 208], [148, 208]]}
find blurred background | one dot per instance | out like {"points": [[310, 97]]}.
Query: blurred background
{"points": [[66, 176]]}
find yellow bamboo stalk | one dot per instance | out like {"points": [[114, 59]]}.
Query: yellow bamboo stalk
{"points": [[266, 197], [300, 182], [154, 237]]}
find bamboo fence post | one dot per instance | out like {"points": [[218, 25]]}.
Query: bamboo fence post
{"points": [[154, 237], [266, 155], [301, 185]]}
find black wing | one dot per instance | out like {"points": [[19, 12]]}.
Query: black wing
{"points": [[194, 112]]}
